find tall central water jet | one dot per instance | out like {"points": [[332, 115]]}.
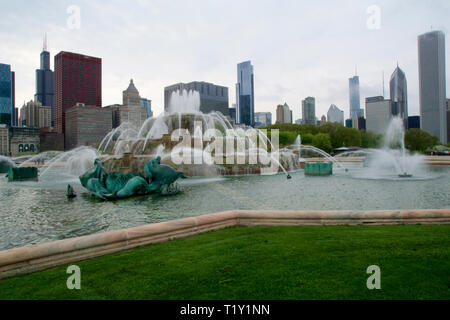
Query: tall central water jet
{"points": [[393, 159]]}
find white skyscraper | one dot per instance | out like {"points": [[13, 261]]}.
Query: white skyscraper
{"points": [[335, 114], [432, 90]]}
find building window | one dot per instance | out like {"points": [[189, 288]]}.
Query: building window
{"points": [[32, 147], [20, 147], [27, 148]]}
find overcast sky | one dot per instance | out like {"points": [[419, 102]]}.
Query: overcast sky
{"points": [[298, 48]]}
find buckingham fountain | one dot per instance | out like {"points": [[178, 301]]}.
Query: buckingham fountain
{"points": [[227, 167], [203, 144]]}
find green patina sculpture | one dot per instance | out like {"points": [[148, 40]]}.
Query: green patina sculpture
{"points": [[318, 168], [24, 173], [159, 179], [70, 192]]}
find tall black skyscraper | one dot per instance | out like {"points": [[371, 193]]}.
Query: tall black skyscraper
{"points": [[44, 81]]}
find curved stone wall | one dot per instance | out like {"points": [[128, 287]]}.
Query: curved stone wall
{"points": [[38, 257]]}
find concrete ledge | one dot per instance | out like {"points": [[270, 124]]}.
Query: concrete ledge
{"points": [[38, 257]]}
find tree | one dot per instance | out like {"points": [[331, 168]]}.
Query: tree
{"points": [[419, 140], [322, 141], [370, 140]]}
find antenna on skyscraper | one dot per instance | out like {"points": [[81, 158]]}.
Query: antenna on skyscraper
{"points": [[383, 82], [44, 45]]}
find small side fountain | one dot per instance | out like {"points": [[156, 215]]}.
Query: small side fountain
{"points": [[393, 160]]}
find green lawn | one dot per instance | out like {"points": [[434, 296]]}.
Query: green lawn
{"points": [[308, 262]]}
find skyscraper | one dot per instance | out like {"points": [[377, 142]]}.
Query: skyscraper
{"points": [[147, 105], [335, 114], [355, 106], [378, 114], [399, 95], [44, 81], [78, 79], [131, 110], [212, 97], [263, 119], [432, 90], [245, 97], [7, 98], [284, 114], [309, 110]]}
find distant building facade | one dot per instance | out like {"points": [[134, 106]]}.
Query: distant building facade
{"points": [[7, 95], [233, 112], [33, 114], [414, 122], [348, 123], [399, 95], [86, 125], [335, 114], [78, 79], [212, 97], [4, 140], [263, 119], [309, 110], [50, 140], [378, 114], [147, 105], [44, 82], [245, 96], [131, 110], [24, 139], [284, 114], [448, 120], [432, 86]]}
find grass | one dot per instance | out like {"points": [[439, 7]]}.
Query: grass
{"points": [[308, 262]]}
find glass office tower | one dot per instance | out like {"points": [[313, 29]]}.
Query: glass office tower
{"points": [[245, 97], [399, 95], [7, 112], [355, 107]]}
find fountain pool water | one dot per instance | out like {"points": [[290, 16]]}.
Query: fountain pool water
{"points": [[34, 212], [37, 211]]}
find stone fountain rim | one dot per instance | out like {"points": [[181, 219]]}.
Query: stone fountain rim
{"points": [[29, 259]]}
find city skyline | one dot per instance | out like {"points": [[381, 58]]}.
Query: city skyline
{"points": [[287, 74]]}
